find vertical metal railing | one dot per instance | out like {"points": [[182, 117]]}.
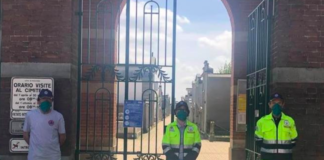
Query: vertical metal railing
{"points": [[80, 37], [111, 69], [259, 40]]}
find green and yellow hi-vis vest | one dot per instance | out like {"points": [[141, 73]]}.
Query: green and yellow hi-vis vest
{"points": [[191, 141], [276, 140]]}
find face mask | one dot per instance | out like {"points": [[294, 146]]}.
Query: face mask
{"points": [[182, 115], [276, 110], [45, 106]]}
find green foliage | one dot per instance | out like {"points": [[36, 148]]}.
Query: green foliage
{"points": [[226, 69]]}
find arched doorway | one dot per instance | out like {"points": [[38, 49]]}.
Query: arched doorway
{"points": [[100, 74]]}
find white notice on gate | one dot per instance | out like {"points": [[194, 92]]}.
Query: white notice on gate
{"points": [[18, 145], [24, 92]]}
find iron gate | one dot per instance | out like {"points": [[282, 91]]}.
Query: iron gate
{"points": [[259, 40], [124, 54]]}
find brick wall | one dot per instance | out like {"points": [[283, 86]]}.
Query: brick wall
{"points": [[304, 102], [36, 31], [47, 32], [298, 37], [5, 115], [297, 43]]}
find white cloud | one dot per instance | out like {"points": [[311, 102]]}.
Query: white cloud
{"points": [[222, 42], [187, 81], [183, 20], [144, 32]]}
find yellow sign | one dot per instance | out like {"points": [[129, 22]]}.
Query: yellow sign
{"points": [[242, 103]]}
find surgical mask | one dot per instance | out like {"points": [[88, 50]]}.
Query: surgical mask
{"points": [[182, 115], [45, 106], [276, 110]]}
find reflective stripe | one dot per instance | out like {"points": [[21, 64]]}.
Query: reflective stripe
{"points": [[185, 154], [175, 146], [166, 149], [276, 150], [187, 146], [178, 146], [275, 142], [293, 142], [196, 150], [258, 139], [177, 154]]}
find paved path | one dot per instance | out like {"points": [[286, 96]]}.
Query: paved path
{"points": [[214, 150], [210, 150]]}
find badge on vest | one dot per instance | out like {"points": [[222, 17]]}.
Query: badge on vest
{"points": [[171, 129], [286, 124], [190, 130]]}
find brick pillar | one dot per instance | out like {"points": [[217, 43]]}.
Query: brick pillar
{"points": [[298, 70], [238, 11], [37, 41]]}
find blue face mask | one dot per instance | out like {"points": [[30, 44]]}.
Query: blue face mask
{"points": [[182, 115], [276, 109], [45, 106]]}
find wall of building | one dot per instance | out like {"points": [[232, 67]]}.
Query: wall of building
{"points": [[218, 102], [40, 39], [297, 65], [37, 42]]}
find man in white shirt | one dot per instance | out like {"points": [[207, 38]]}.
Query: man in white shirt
{"points": [[44, 129]]}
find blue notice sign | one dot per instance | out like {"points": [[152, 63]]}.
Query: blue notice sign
{"points": [[133, 113]]}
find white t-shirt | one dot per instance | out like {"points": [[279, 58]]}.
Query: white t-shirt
{"points": [[44, 134]]}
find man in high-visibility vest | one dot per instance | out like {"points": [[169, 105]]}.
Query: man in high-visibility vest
{"points": [[181, 140], [276, 133]]}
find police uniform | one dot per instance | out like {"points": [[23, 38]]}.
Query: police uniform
{"points": [[190, 139]]}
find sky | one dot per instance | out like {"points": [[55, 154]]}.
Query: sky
{"points": [[209, 36], [203, 33]]}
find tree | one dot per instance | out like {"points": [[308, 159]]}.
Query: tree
{"points": [[226, 69]]}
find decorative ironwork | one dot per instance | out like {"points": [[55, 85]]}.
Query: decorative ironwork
{"points": [[119, 76], [148, 157], [150, 70], [102, 156], [95, 69]]}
